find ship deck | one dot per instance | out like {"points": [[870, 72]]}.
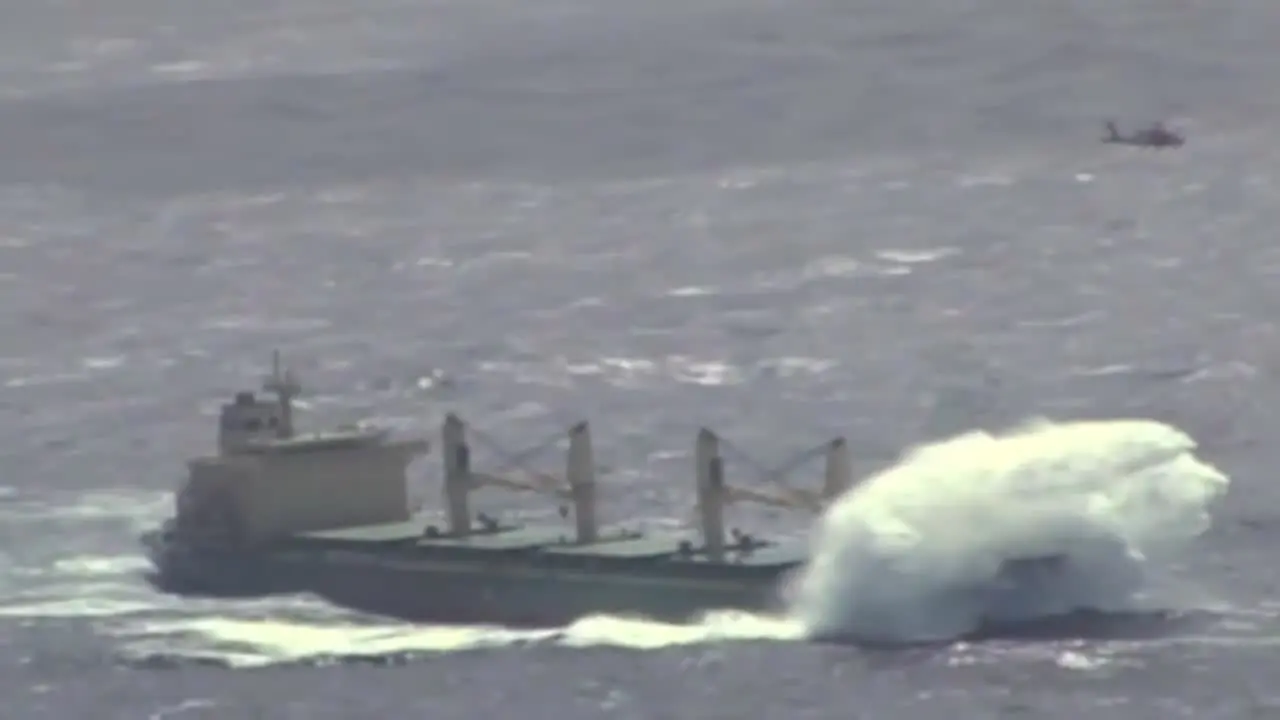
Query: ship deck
{"points": [[552, 545]]}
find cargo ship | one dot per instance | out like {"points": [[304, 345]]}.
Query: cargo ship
{"points": [[276, 511]]}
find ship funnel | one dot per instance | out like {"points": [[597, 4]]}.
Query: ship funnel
{"points": [[580, 473], [711, 500], [457, 474], [839, 472]]}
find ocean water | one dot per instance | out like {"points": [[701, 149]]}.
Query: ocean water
{"points": [[786, 221]]}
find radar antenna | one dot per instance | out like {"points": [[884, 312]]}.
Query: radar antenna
{"points": [[286, 388]]}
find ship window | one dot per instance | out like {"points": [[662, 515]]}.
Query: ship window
{"points": [[272, 422], [253, 424]]}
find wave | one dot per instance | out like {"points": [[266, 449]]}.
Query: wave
{"points": [[983, 530]]}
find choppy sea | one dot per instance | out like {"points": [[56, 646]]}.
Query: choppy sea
{"points": [[784, 220]]}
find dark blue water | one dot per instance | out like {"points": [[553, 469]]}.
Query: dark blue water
{"points": [[787, 220]]}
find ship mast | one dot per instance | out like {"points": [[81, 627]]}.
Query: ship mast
{"points": [[714, 495], [286, 388], [578, 485]]}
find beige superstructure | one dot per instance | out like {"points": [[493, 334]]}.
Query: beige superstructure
{"points": [[268, 481]]}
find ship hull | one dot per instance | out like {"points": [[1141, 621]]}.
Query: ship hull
{"points": [[450, 592], [423, 586]]}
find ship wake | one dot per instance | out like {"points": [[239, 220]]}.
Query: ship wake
{"points": [[986, 533]]}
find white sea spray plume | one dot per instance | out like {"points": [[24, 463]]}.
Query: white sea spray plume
{"points": [[926, 549]]}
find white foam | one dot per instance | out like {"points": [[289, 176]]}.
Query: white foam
{"points": [[255, 642], [139, 507], [85, 607], [915, 257], [915, 552], [99, 565]]}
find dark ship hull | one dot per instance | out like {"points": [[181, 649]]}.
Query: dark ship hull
{"points": [[514, 576]]}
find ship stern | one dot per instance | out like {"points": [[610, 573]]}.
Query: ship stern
{"points": [[182, 567]]}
